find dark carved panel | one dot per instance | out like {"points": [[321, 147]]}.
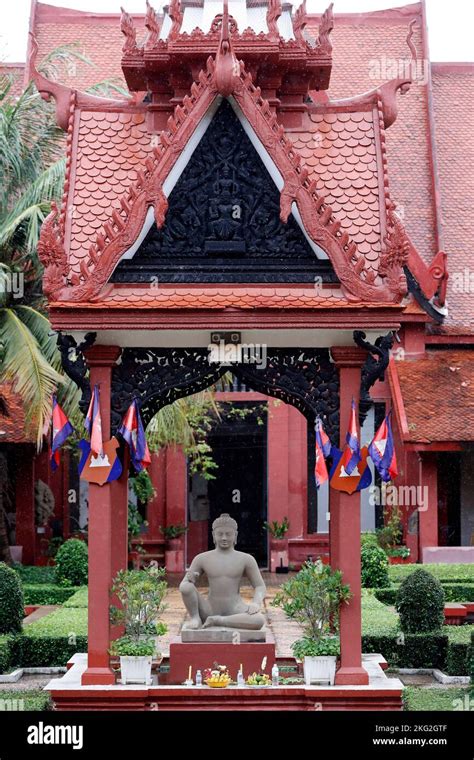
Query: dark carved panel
{"points": [[156, 377], [223, 222]]}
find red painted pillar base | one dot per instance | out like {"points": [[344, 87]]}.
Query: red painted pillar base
{"points": [[345, 530], [102, 517]]}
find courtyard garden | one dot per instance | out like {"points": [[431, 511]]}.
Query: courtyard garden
{"points": [[52, 626]]}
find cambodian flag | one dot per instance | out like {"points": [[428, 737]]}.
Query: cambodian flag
{"points": [[382, 451], [322, 439], [133, 432], [62, 428], [351, 454], [93, 423]]}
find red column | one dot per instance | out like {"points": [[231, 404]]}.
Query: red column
{"points": [[156, 506], [25, 503], [278, 429], [345, 528], [102, 514], [176, 503], [428, 503]]}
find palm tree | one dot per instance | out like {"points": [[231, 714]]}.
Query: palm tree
{"points": [[32, 168]]}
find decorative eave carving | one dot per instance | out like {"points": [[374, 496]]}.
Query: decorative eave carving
{"points": [[63, 95], [226, 67], [52, 255], [325, 28], [395, 256], [127, 27]]}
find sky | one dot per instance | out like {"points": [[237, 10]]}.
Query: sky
{"points": [[450, 24]]}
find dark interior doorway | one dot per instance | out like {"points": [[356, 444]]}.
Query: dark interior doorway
{"points": [[239, 448]]}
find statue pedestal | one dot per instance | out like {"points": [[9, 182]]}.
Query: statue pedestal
{"points": [[202, 655]]}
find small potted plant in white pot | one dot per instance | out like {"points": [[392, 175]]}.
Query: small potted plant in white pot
{"points": [[141, 594], [313, 598]]}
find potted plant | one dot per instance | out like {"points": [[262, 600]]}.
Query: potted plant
{"points": [[141, 595], [399, 555], [390, 538], [278, 545], [313, 598], [172, 534]]}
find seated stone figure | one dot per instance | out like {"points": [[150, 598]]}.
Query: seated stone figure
{"points": [[224, 568]]}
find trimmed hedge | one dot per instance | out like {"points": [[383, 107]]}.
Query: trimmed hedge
{"points": [[457, 660], [78, 599], [409, 650], [455, 573], [11, 601], [5, 653], [471, 671], [36, 574], [453, 592], [46, 651], [47, 594]]}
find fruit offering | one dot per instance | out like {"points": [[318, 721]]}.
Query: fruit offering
{"points": [[218, 677], [259, 679]]}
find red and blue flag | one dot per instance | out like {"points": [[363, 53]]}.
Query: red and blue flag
{"points": [[61, 430], [133, 432], [382, 451], [351, 454], [93, 423]]}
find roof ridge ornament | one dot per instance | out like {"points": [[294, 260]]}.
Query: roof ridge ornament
{"points": [[227, 67], [274, 12], [52, 255], [300, 19], [153, 25], [326, 26], [127, 27], [176, 15], [63, 95]]}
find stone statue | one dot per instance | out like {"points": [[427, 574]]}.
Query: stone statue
{"points": [[224, 568]]}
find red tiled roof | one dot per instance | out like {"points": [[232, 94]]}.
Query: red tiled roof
{"points": [[438, 396], [110, 148], [453, 95], [223, 297], [339, 151], [12, 418], [16, 71]]}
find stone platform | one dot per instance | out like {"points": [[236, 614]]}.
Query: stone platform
{"points": [[381, 694], [221, 635]]}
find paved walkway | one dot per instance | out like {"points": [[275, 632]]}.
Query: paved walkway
{"points": [[284, 631], [42, 611]]}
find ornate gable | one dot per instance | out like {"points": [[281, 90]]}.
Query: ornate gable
{"points": [[223, 221]]}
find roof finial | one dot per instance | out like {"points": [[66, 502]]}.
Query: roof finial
{"points": [[299, 22], [176, 15], [273, 14], [127, 27], [325, 28], [153, 26], [227, 65]]}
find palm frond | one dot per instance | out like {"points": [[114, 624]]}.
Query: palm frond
{"points": [[33, 378]]}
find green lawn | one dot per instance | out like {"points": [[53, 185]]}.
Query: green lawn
{"points": [[62, 622], [433, 698], [377, 618], [24, 700], [78, 599]]}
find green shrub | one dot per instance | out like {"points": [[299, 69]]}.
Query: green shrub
{"points": [[66, 621], [47, 594], [374, 567], [457, 660], [409, 650], [453, 592], [5, 653], [11, 601], [368, 539], [25, 700], [420, 603], [71, 563], [420, 698], [35, 574]]}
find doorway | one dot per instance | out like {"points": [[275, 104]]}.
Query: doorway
{"points": [[239, 487]]}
